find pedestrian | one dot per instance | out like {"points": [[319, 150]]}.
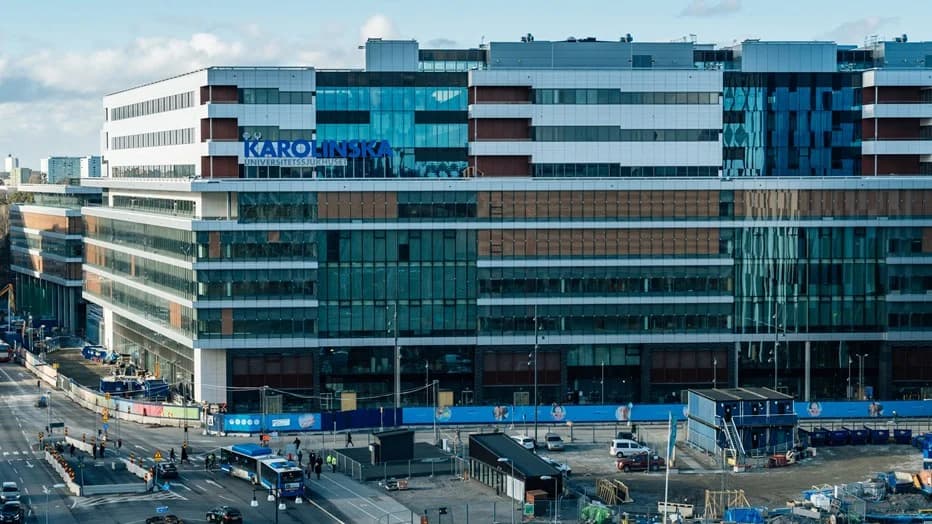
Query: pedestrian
{"points": [[101, 448], [297, 443], [38, 383], [184, 454], [312, 458], [100, 434], [71, 450], [94, 450], [349, 439], [171, 454], [333, 463], [317, 469], [300, 457], [119, 443]]}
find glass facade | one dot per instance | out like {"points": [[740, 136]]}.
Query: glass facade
{"points": [[422, 115], [792, 124]]}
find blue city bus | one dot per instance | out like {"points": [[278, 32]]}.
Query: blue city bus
{"points": [[281, 475], [242, 460]]}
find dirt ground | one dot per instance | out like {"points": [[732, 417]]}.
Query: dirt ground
{"points": [[589, 458]]}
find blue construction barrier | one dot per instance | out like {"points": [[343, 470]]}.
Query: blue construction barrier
{"points": [[877, 435], [837, 437], [857, 437], [902, 436]]}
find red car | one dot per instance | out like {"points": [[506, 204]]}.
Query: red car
{"points": [[640, 462]]}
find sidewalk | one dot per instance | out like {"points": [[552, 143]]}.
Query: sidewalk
{"points": [[359, 503]]}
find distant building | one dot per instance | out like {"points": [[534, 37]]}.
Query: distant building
{"points": [[90, 166], [9, 163], [24, 175], [61, 169]]}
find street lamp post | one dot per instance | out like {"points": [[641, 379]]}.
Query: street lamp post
{"points": [[776, 346], [427, 380], [714, 373], [397, 356], [48, 492], [279, 506], [848, 389], [536, 343], [861, 357], [48, 409], [602, 384], [556, 496], [512, 485]]}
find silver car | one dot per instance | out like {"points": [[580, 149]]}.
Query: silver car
{"points": [[554, 442], [9, 492]]}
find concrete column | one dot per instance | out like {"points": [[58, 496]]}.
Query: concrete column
{"points": [[883, 386], [646, 354], [734, 370], [478, 367], [210, 373]]}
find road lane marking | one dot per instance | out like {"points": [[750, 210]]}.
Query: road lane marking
{"points": [[225, 498], [331, 515], [214, 483]]}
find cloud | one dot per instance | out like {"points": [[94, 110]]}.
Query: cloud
{"points": [[442, 43], [65, 127], [855, 31], [711, 8], [377, 26]]}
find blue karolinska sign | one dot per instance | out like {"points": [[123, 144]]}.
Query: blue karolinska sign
{"points": [[311, 152]]}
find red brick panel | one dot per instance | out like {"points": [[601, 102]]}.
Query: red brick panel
{"points": [[219, 94], [597, 242], [897, 164], [500, 129], [499, 94], [897, 128], [598, 204], [345, 206], [493, 166], [219, 167]]}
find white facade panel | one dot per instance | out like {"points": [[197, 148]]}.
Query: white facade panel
{"points": [[623, 153], [896, 147], [897, 77], [897, 111], [627, 80]]}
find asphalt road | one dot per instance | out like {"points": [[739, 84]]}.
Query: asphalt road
{"points": [[189, 497]]}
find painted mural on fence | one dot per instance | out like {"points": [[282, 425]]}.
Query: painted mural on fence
{"points": [[569, 414]]}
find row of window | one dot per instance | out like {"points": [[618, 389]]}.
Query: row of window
{"points": [[156, 105], [614, 96], [257, 283], [170, 137], [391, 98], [257, 245], [275, 133], [615, 170], [174, 279], [399, 246], [399, 128], [421, 318], [271, 95], [160, 206], [50, 245], [605, 286], [169, 314], [175, 243], [153, 171], [68, 201], [414, 282], [608, 323], [257, 323], [277, 207], [65, 270], [616, 134]]}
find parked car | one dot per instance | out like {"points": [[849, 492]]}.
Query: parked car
{"points": [[42, 402], [554, 442], [622, 447], [563, 467], [12, 512], [640, 462], [526, 441], [167, 470], [164, 519], [224, 514], [9, 492]]}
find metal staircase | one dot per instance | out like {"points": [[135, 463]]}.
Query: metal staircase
{"points": [[735, 444]]}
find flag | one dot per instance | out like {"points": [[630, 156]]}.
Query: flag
{"points": [[671, 444]]}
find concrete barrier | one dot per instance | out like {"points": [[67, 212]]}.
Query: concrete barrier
{"points": [[74, 488], [83, 446]]}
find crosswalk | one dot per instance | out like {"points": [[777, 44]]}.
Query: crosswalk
{"points": [[102, 500]]}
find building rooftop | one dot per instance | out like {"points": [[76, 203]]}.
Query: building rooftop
{"points": [[731, 394], [525, 462]]}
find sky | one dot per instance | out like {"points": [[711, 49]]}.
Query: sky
{"points": [[59, 57]]}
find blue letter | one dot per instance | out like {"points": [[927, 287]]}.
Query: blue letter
{"points": [[283, 146], [354, 149], [385, 149], [249, 148], [268, 149], [300, 148]]}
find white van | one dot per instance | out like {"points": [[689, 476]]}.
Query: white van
{"points": [[622, 447], [525, 441]]}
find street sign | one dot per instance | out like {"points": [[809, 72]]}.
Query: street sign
{"points": [[161, 509], [158, 456], [105, 426], [528, 510], [57, 425]]}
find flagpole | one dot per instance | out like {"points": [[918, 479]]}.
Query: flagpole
{"points": [[666, 482]]}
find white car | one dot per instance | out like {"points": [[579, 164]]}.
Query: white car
{"points": [[525, 441], [563, 467], [554, 442], [9, 492], [622, 447]]}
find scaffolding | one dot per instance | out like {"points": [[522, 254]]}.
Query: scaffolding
{"points": [[716, 502]]}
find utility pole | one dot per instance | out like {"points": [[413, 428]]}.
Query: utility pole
{"points": [[436, 407], [602, 383], [861, 358], [397, 358], [535, 373], [776, 342], [848, 389]]}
